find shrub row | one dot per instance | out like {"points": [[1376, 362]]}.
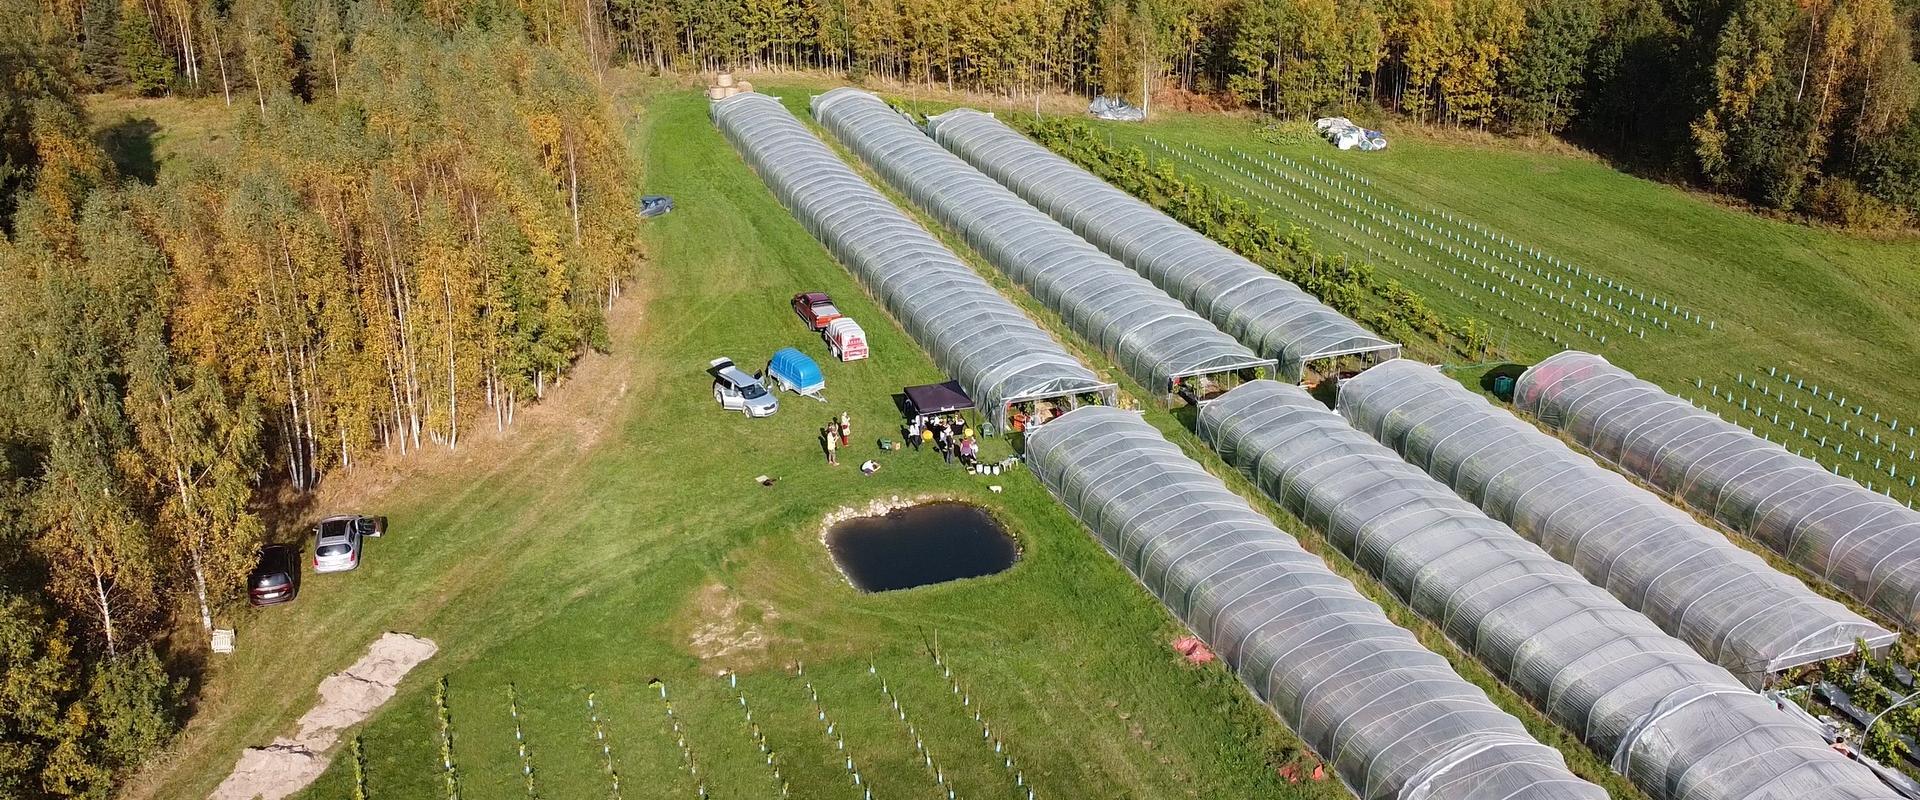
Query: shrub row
{"points": [[1349, 287]]}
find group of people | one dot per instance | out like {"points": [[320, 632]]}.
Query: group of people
{"points": [[836, 436], [948, 435]]}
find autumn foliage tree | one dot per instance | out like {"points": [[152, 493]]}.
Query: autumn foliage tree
{"points": [[420, 228]]}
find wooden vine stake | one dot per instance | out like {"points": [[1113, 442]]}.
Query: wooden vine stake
{"points": [[520, 742], [606, 747]]}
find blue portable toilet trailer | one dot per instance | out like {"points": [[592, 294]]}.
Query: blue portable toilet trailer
{"points": [[797, 373]]}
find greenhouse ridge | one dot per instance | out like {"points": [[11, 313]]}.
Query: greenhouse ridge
{"points": [[1861, 541], [1152, 336], [1724, 601], [1261, 309], [1676, 725], [1394, 718], [973, 333]]}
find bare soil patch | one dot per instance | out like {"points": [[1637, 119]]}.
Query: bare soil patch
{"points": [[728, 632]]}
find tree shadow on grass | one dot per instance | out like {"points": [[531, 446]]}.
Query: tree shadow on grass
{"points": [[129, 143]]}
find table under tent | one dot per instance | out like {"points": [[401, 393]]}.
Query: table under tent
{"points": [[936, 399]]}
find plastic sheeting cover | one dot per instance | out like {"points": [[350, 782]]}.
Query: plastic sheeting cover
{"points": [[1150, 335], [972, 332], [1724, 601], [1677, 726], [1268, 313], [1392, 717], [1862, 542], [1116, 109]]}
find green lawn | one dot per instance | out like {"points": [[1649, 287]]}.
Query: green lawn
{"points": [[619, 537], [143, 134]]}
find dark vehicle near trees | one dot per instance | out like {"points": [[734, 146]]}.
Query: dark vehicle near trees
{"points": [[276, 579]]}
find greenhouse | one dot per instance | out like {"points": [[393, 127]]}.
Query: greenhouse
{"points": [[1674, 724], [1862, 542], [1268, 313], [1150, 335], [973, 333], [1392, 718], [1724, 601]]}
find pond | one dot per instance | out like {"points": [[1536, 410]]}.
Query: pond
{"points": [[920, 545]]}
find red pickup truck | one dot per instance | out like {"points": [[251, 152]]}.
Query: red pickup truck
{"points": [[816, 309]]}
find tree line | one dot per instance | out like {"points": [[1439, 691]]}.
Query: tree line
{"points": [[1804, 106], [1807, 106], [409, 230], [1800, 105]]}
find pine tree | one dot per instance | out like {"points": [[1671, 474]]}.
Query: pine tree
{"points": [[143, 66]]}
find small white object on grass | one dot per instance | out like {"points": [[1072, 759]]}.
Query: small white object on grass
{"points": [[995, 488]]}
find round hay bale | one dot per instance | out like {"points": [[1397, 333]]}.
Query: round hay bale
{"points": [[726, 79]]}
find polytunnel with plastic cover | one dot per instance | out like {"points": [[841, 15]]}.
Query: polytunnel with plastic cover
{"points": [[1862, 542], [1392, 718], [1724, 601], [1677, 726], [973, 333], [1263, 310], [1150, 335]]}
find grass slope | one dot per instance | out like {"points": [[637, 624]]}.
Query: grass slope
{"points": [[618, 537]]}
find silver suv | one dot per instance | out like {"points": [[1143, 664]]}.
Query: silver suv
{"points": [[735, 390], [337, 541]]}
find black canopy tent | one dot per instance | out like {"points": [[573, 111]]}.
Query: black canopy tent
{"points": [[937, 398]]}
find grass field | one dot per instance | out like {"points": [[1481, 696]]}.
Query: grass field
{"points": [[618, 536]]}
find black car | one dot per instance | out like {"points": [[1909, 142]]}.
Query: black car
{"points": [[277, 577]]}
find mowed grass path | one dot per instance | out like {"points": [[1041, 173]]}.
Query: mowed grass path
{"points": [[621, 538]]}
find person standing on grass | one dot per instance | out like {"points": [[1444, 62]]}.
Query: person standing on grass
{"points": [[846, 428], [913, 433], [832, 460]]}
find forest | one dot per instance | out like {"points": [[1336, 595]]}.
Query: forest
{"points": [[1806, 107], [1803, 106], [417, 231]]}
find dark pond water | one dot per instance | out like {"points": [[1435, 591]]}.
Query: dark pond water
{"points": [[919, 545]]}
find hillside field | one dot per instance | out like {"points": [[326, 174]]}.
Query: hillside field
{"points": [[617, 535], [1789, 307]]}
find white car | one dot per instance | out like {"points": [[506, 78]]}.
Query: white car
{"points": [[735, 390], [336, 545]]}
